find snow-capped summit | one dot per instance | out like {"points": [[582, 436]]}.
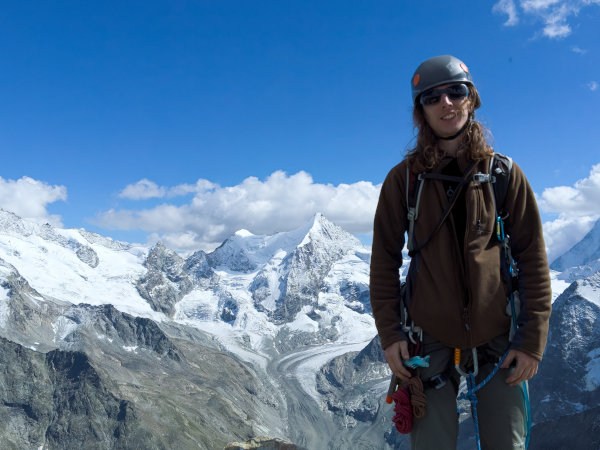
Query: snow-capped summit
{"points": [[247, 252], [585, 252]]}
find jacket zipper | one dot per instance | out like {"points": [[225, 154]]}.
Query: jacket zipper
{"points": [[477, 193], [470, 212], [465, 310]]}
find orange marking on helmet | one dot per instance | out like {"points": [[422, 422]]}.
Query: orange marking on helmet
{"points": [[416, 79], [464, 67]]}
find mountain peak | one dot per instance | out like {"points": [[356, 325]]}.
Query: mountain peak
{"points": [[243, 233], [584, 252], [320, 229]]}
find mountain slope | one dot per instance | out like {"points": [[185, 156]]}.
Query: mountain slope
{"points": [[568, 381], [583, 259]]}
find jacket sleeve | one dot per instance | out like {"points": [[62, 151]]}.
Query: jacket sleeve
{"points": [[529, 252], [386, 257]]}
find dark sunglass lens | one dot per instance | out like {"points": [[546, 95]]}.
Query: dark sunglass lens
{"points": [[457, 91], [454, 92], [430, 98]]}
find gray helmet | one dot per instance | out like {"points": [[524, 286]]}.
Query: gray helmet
{"points": [[439, 70]]}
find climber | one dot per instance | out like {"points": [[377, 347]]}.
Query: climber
{"points": [[457, 291]]}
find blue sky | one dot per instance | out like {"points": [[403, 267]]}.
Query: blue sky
{"points": [[186, 120]]}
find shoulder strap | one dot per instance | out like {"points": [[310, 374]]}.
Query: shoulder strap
{"points": [[500, 168], [414, 187]]}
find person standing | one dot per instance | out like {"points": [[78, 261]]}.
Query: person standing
{"points": [[456, 289]]}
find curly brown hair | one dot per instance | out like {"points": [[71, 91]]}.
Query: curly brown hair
{"points": [[427, 153]]}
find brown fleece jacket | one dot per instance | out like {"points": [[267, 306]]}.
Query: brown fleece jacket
{"points": [[460, 301]]}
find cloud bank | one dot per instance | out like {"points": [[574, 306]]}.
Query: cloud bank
{"points": [[283, 202], [555, 14], [577, 206], [280, 202], [29, 198]]}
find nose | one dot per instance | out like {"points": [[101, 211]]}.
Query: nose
{"points": [[445, 100]]}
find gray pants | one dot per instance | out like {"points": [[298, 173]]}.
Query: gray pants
{"points": [[500, 407]]}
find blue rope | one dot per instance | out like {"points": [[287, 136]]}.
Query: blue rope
{"points": [[527, 412], [524, 387], [472, 388], [473, 399]]}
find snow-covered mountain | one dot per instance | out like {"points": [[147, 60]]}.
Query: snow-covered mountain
{"points": [[111, 344], [263, 300], [583, 260]]}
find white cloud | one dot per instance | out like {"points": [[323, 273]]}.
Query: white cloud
{"points": [[143, 189], [146, 189], [29, 198], [578, 207], [537, 5], [555, 14], [557, 30], [509, 8], [592, 85], [279, 203], [185, 189], [579, 50]]}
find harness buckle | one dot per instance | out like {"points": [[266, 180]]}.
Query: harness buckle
{"points": [[484, 178], [437, 381]]}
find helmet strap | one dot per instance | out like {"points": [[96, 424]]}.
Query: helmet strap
{"points": [[449, 138]]}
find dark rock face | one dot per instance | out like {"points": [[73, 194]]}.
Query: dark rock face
{"points": [[88, 255], [122, 329], [231, 256], [263, 443], [166, 281], [357, 296], [58, 401], [135, 387], [575, 431], [198, 267]]}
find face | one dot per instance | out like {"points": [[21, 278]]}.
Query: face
{"points": [[447, 117]]}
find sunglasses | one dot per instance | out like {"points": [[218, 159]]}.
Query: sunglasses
{"points": [[454, 92]]}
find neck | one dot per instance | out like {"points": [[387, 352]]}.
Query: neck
{"points": [[450, 147], [450, 144]]}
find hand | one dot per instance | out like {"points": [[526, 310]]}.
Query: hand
{"points": [[394, 355], [527, 367]]}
